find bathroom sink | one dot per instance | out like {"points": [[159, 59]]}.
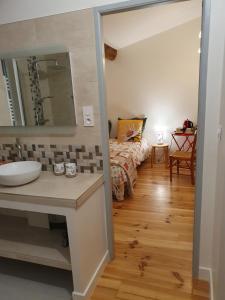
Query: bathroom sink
{"points": [[19, 173]]}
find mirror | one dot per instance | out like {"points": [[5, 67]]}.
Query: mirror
{"points": [[36, 91]]}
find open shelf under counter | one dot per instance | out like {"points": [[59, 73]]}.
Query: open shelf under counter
{"points": [[20, 241]]}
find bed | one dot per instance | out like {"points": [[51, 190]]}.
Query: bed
{"points": [[125, 157]]}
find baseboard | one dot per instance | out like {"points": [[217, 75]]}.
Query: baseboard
{"points": [[92, 283], [207, 275]]}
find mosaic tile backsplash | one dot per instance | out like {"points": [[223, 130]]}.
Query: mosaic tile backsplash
{"points": [[88, 158]]}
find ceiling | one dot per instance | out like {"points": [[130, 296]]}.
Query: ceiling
{"points": [[124, 29]]}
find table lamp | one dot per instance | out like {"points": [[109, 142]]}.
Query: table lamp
{"points": [[160, 134]]}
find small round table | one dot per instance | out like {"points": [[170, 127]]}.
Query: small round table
{"points": [[165, 148]]}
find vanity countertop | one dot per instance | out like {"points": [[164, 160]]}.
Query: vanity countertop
{"points": [[53, 190]]}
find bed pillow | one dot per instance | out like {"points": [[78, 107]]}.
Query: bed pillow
{"points": [[129, 130], [144, 119]]}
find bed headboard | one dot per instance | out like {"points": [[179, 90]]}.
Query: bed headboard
{"points": [[109, 126]]}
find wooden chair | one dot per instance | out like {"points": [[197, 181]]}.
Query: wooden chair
{"points": [[188, 158]]}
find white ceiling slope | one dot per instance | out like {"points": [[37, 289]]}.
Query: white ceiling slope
{"points": [[126, 28]]}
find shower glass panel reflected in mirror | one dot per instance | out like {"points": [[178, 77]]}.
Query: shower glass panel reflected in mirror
{"points": [[36, 91]]}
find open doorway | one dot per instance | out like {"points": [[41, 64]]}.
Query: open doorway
{"points": [[152, 59]]}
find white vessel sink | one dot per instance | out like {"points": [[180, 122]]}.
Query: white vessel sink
{"points": [[19, 173]]}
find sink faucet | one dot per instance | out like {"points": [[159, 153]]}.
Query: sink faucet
{"points": [[19, 149]]}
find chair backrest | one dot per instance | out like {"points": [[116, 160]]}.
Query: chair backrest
{"points": [[193, 152]]}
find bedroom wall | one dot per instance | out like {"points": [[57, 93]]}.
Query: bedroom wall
{"points": [[157, 77]]}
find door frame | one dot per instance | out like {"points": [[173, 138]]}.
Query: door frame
{"points": [[133, 5]]}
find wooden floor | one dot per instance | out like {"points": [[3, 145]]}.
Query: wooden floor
{"points": [[153, 241]]}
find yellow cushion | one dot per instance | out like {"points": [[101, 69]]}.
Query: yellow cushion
{"points": [[129, 130]]}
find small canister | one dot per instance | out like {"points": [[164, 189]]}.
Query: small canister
{"points": [[59, 168], [71, 170]]}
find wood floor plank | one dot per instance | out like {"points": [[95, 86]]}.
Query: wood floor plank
{"points": [[153, 242]]}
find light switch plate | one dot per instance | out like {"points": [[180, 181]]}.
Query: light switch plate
{"points": [[88, 116]]}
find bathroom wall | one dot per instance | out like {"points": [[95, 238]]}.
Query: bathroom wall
{"points": [[74, 32], [12, 10]]}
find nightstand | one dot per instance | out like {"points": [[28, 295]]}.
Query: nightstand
{"points": [[165, 148]]}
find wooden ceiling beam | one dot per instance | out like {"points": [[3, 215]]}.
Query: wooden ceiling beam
{"points": [[110, 52]]}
